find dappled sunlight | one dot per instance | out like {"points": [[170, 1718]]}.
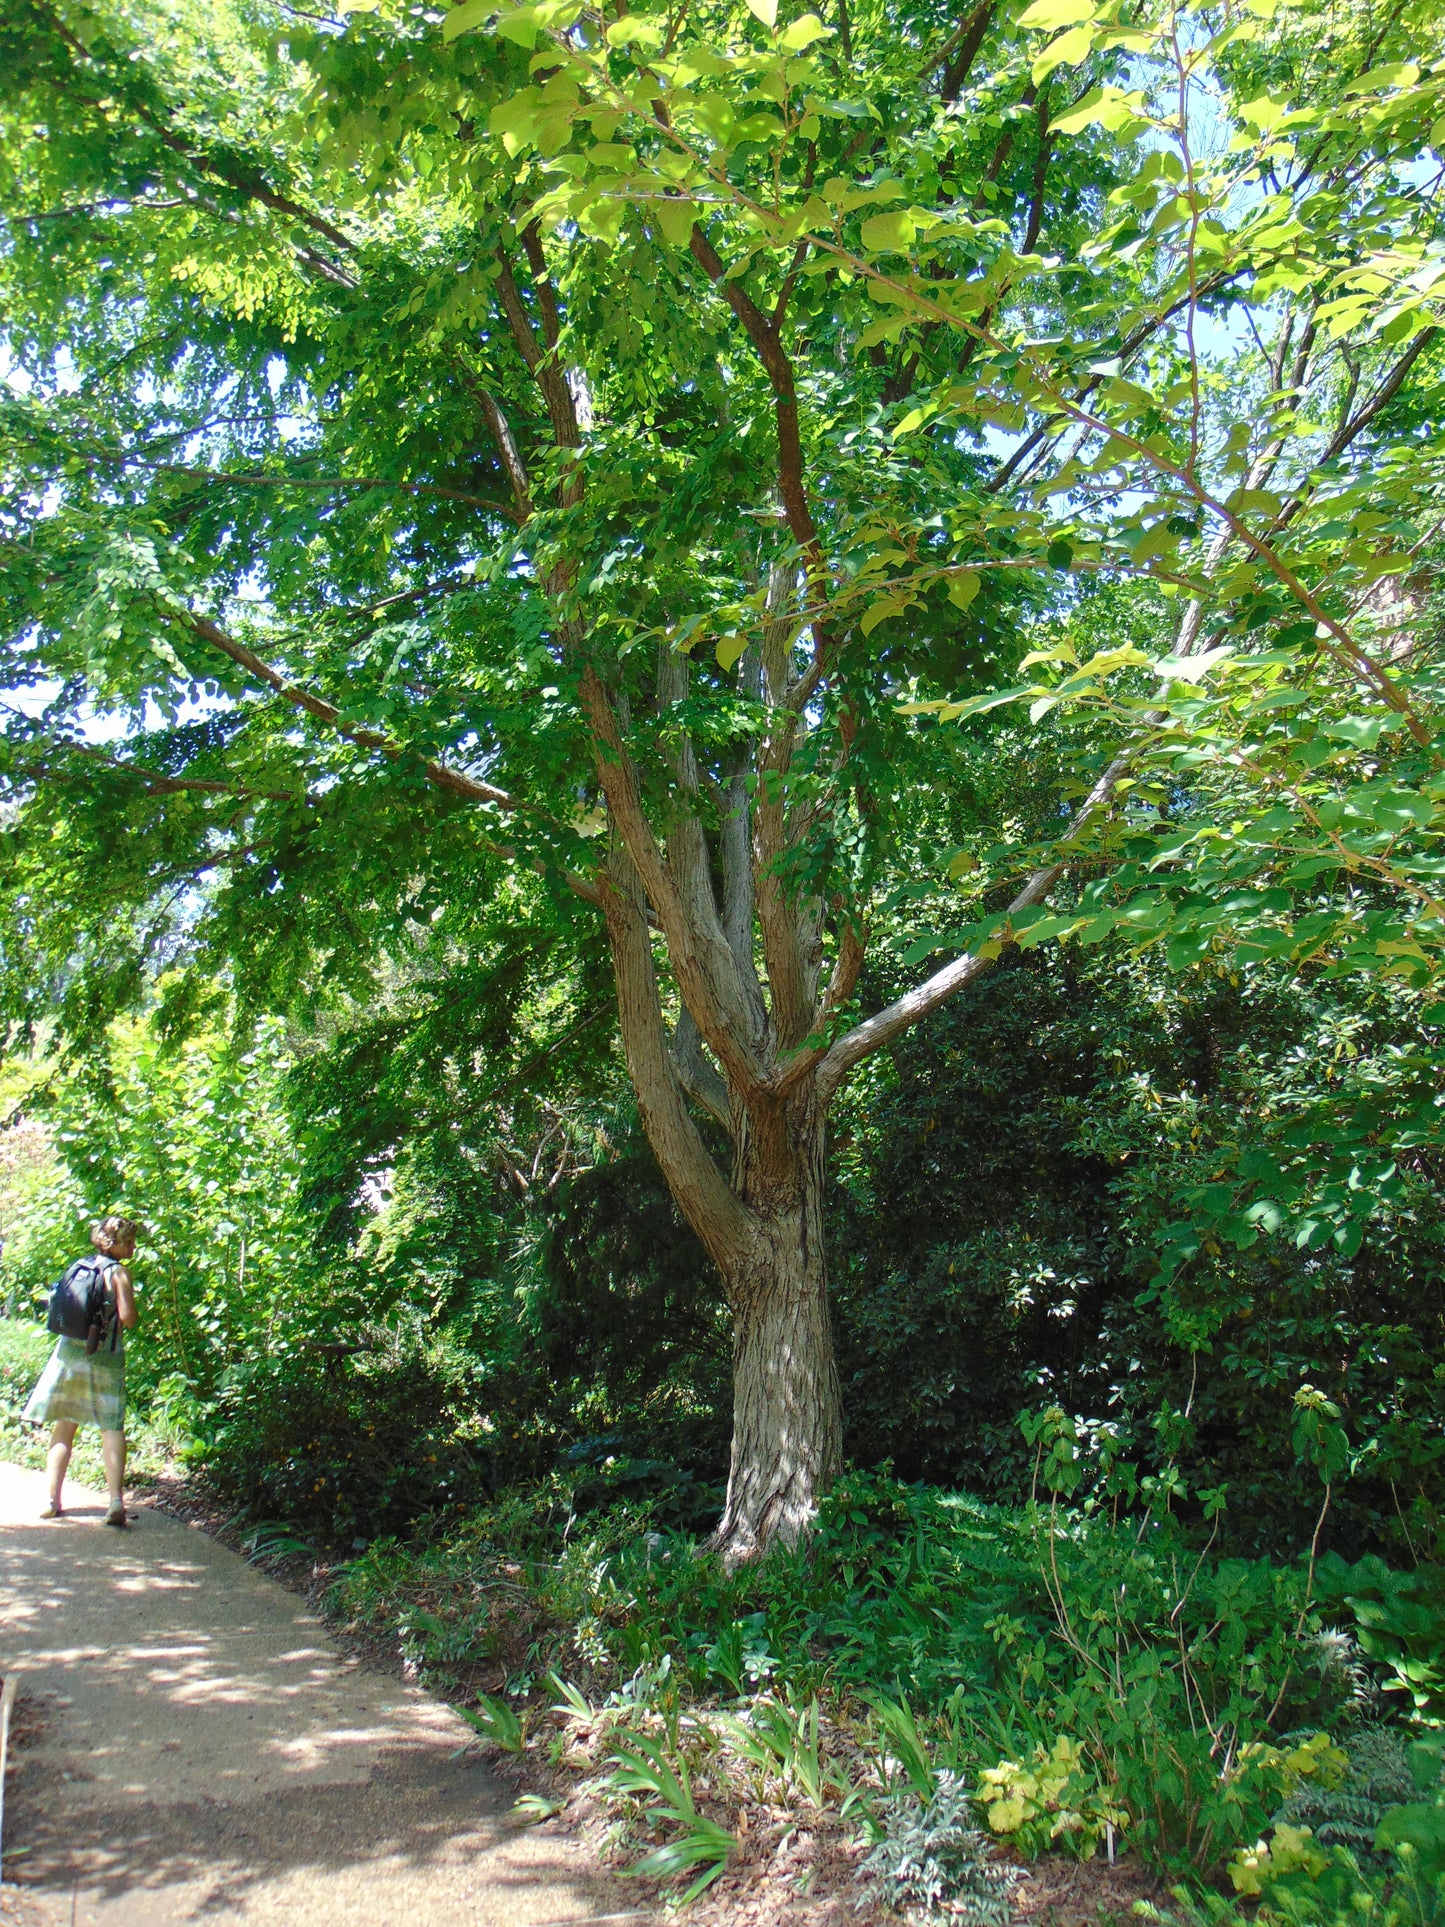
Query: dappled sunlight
{"points": [[164, 1580], [195, 1750]]}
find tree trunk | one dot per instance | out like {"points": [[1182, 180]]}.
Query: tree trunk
{"points": [[787, 1406]]}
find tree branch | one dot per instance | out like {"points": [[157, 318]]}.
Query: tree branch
{"points": [[923, 999], [242, 179], [702, 962], [507, 449], [695, 1074], [779, 369], [958, 53], [541, 361], [777, 908], [1041, 168], [441, 774], [154, 783], [720, 1220], [296, 481]]}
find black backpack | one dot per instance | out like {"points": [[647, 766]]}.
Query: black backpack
{"points": [[80, 1306]]}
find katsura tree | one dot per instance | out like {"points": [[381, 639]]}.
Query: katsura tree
{"points": [[552, 456]]}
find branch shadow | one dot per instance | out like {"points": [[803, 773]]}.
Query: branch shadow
{"points": [[417, 1814]]}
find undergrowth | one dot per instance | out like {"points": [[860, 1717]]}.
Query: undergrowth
{"points": [[1095, 1685], [943, 1688]]}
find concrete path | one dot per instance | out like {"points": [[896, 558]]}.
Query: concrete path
{"points": [[205, 1753]]}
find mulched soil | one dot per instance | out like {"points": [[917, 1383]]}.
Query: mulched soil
{"points": [[788, 1872], [1070, 1893]]}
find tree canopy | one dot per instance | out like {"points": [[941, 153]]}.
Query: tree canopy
{"points": [[792, 496]]}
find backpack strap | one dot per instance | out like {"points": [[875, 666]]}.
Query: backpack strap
{"points": [[100, 1268]]}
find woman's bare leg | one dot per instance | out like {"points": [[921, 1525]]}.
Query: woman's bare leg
{"points": [[112, 1451], [62, 1437]]}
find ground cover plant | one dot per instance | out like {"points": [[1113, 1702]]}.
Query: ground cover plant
{"points": [[919, 1677]]}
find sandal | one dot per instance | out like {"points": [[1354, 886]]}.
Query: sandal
{"points": [[53, 1511], [116, 1517]]}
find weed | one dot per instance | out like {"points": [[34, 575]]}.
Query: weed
{"points": [[533, 1808], [783, 1741], [907, 1750], [270, 1539]]}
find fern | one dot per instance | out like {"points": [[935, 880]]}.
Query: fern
{"points": [[1379, 1778], [932, 1862]]}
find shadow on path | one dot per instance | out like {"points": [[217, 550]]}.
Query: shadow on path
{"points": [[204, 1752]]}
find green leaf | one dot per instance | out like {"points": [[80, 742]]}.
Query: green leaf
{"points": [[463, 18], [963, 587], [802, 33], [1067, 51], [1360, 732], [495, 1721], [521, 25], [1419, 1827], [517, 115], [980, 705], [1192, 669], [1104, 107], [1046, 929], [881, 610], [1399, 74], [764, 10], [637, 29], [676, 219], [1049, 14], [1258, 501], [891, 233]]}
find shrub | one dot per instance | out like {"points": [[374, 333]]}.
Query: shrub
{"points": [[350, 1446], [1400, 1625], [1053, 1801], [1348, 1814], [24, 1348]]}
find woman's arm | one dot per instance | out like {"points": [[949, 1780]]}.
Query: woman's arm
{"points": [[124, 1291]]}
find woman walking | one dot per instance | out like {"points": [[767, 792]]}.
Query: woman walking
{"points": [[84, 1383]]}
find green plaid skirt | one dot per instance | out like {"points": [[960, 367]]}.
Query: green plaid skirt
{"points": [[89, 1390]]}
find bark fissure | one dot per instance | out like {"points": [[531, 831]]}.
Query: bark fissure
{"points": [[787, 1408]]}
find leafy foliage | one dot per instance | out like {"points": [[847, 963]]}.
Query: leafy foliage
{"points": [[933, 1863], [643, 1769], [1348, 1815], [1049, 1801], [447, 494]]}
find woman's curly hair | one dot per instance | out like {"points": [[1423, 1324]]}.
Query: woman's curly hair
{"points": [[111, 1232]]}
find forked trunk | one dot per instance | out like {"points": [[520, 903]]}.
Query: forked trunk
{"points": [[763, 1230], [787, 1407]]}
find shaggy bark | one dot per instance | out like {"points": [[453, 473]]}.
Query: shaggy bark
{"points": [[787, 1409]]}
